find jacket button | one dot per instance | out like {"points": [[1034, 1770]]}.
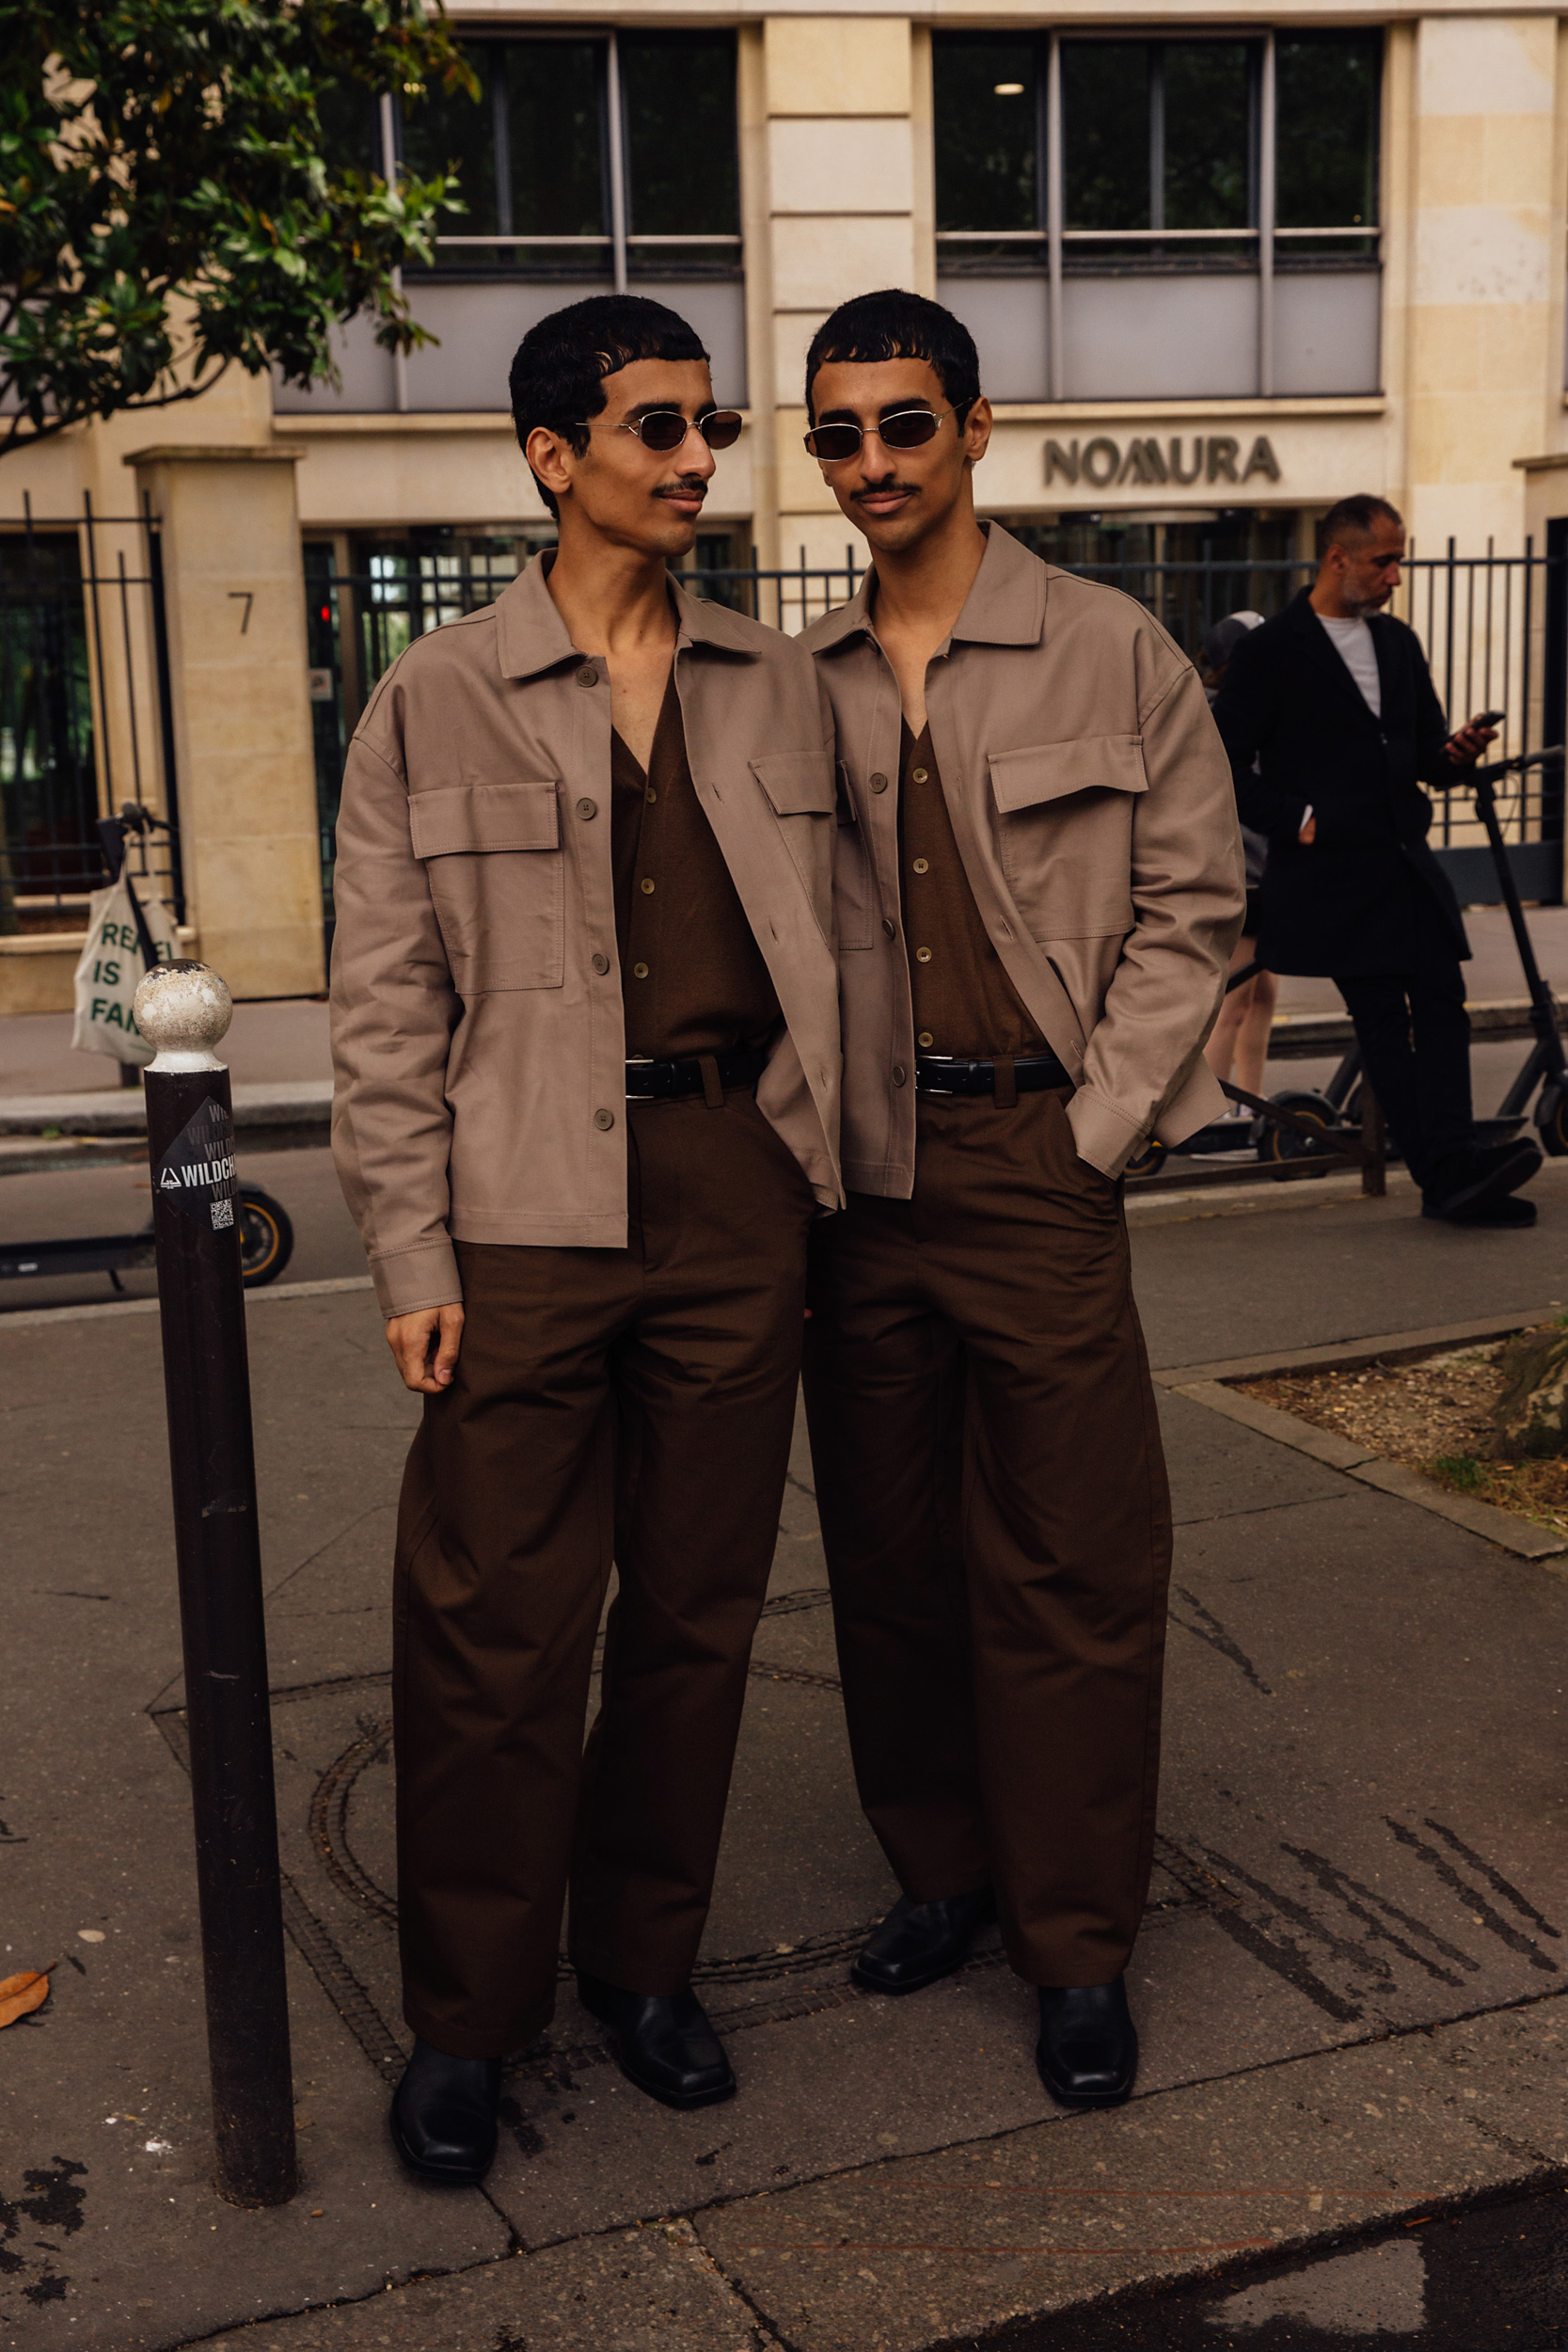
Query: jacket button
{"points": [[604, 1120], [601, 964], [879, 782], [898, 1073], [588, 675], [890, 927], [587, 809]]}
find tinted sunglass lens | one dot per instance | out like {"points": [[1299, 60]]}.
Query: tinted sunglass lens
{"points": [[664, 429], [911, 430], [832, 442], [722, 429]]}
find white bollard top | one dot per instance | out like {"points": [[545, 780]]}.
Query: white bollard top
{"points": [[182, 1009]]}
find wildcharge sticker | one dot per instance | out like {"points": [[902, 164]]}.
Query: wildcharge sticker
{"points": [[197, 1171]]}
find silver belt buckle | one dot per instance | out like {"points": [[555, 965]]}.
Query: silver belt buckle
{"points": [[638, 1061]]}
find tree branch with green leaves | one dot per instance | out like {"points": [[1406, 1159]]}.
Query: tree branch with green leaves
{"points": [[171, 206]]}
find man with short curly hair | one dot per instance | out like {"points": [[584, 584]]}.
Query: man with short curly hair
{"points": [[585, 1029], [1037, 890]]}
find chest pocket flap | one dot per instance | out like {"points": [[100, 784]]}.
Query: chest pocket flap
{"points": [[799, 784], [1049, 772], [463, 818]]}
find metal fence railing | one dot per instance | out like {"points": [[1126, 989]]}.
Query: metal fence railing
{"points": [[1494, 628], [86, 712]]}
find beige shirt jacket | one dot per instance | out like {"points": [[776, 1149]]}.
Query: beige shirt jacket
{"points": [[478, 1034], [1096, 819]]}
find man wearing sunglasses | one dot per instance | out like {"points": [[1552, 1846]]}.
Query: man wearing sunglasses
{"points": [[1038, 884], [585, 1027]]}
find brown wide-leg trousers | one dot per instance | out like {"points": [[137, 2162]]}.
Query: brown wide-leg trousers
{"points": [[632, 1403], [997, 1524]]}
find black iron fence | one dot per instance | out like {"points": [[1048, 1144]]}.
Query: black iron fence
{"points": [[1494, 628], [86, 712]]}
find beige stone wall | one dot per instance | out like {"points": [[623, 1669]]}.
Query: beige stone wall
{"points": [[235, 607]]}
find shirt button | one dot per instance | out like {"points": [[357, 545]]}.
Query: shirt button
{"points": [[646, 887], [924, 1037], [601, 964], [919, 774], [588, 675], [879, 782], [923, 955], [898, 1073], [922, 866], [890, 927], [640, 971], [652, 794], [587, 809], [604, 1120]]}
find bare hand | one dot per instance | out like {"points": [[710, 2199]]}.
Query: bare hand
{"points": [[424, 1345], [1466, 746], [1308, 833]]}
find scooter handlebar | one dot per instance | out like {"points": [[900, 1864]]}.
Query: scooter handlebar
{"points": [[1551, 757]]}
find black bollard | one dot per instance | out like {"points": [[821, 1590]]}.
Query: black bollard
{"points": [[184, 1010]]}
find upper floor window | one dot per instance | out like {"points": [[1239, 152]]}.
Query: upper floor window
{"points": [[1072, 170], [569, 168], [1153, 144]]}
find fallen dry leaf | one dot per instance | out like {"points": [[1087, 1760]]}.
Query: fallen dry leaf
{"points": [[27, 1989]]}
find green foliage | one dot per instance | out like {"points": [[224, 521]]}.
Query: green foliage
{"points": [[169, 206], [1458, 1470]]}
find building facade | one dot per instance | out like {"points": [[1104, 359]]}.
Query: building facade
{"points": [[1222, 268]]}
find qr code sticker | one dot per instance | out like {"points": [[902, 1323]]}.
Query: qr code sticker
{"points": [[223, 1213]]}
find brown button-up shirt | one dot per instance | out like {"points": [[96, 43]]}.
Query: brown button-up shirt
{"points": [[692, 976], [962, 1000]]}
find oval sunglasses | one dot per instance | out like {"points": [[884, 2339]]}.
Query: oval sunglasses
{"points": [[665, 429], [907, 428]]}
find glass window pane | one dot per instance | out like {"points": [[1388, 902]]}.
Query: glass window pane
{"points": [[451, 132], [553, 137], [683, 176], [1327, 117], [987, 100], [350, 128], [1105, 134], [1208, 149]]}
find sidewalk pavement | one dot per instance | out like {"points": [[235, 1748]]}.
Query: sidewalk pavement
{"points": [[1353, 1986]]}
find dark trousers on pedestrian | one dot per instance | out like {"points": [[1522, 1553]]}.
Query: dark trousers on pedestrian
{"points": [[635, 1404], [1415, 1037], [997, 1524]]}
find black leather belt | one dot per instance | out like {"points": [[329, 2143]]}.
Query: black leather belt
{"points": [[664, 1081], [940, 1073]]}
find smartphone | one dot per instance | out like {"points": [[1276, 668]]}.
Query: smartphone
{"points": [[1490, 719]]}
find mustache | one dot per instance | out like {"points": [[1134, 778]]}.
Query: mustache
{"points": [[882, 489], [689, 486]]}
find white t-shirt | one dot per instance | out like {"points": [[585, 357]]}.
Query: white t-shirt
{"points": [[1359, 656]]}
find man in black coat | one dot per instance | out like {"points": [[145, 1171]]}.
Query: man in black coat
{"points": [[1332, 725]]}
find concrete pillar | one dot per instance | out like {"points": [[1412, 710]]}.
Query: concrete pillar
{"points": [[837, 107], [245, 768], [1483, 270]]}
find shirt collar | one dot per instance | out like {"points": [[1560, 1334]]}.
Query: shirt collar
{"points": [[1006, 605], [533, 637]]}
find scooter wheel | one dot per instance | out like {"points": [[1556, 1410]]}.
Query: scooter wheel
{"points": [[266, 1237], [1148, 1161], [1554, 1123], [1278, 1147]]}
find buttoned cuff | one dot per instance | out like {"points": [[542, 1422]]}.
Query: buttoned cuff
{"points": [[408, 1280], [1106, 1136]]}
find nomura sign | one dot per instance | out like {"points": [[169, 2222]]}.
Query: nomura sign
{"points": [[1184, 458]]}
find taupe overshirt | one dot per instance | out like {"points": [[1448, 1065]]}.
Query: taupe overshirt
{"points": [[478, 1034], [1094, 813]]}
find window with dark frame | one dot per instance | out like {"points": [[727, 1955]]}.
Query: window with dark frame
{"points": [[1159, 157], [545, 191]]}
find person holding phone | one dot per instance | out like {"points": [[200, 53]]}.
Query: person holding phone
{"points": [[1333, 728]]}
